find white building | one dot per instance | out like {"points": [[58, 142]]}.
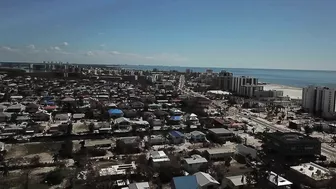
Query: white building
{"points": [[310, 174], [239, 81], [319, 100], [158, 158], [194, 163]]}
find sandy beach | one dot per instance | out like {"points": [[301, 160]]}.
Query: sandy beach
{"points": [[292, 92]]}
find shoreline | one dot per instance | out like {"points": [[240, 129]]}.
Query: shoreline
{"points": [[292, 92]]}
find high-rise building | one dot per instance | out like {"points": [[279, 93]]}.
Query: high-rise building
{"points": [[239, 81], [319, 100], [224, 80]]}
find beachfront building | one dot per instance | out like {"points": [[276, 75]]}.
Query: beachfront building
{"points": [[249, 90], [320, 101], [239, 81], [268, 94]]}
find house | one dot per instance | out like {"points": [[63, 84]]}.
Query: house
{"points": [[15, 108], [40, 116], [155, 140], [185, 182], [220, 134], [78, 116], [158, 158], [176, 137], [32, 108], [174, 120], [4, 117], [116, 170], [197, 136], [310, 174], [122, 124], [137, 105], [276, 181], [128, 144], [194, 163], [104, 127], [22, 118], [2, 147], [237, 182], [192, 120], [62, 117], [206, 181], [246, 151], [219, 153], [139, 185]]}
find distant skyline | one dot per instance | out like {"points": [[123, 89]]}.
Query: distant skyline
{"points": [[279, 34]]}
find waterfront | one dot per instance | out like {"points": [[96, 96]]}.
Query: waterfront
{"points": [[293, 78]]}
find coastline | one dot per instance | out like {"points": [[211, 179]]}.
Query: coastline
{"points": [[292, 92]]}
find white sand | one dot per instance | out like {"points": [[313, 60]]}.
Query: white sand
{"points": [[292, 92]]}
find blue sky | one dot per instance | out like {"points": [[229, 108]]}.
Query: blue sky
{"points": [[290, 34]]}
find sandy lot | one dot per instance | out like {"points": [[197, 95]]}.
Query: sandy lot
{"points": [[292, 92]]}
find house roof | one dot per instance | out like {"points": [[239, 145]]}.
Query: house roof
{"points": [[278, 180], [238, 180], [139, 185], [176, 134], [185, 182], [195, 159], [220, 131], [68, 99], [121, 119], [196, 133], [205, 179]]}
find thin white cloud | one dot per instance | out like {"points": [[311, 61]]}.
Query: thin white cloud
{"points": [[6, 48], [89, 53], [31, 46], [65, 43], [115, 53], [56, 48], [101, 33], [102, 45]]}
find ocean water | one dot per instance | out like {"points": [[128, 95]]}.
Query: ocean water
{"points": [[294, 78]]}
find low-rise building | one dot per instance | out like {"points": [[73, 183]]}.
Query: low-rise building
{"points": [[310, 174], [176, 137], [206, 181], [118, 170], [216, 154], [292, 144], [220, 134], [185, 182], [139, 185], [197, 136], [237, 182], [194, 163], [158, 158]]}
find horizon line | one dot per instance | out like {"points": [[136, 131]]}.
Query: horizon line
{"points": [[185, 66]]}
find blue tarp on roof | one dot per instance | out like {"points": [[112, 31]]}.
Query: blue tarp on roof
{"points": [[49, 102], [115, 112], [185, 182], [175, 118], [176, 134]]}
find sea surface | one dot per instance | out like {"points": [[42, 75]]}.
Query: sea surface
{"points": [[294, 78]]}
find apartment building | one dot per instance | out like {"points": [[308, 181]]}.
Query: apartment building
{"points": [[239, 81], [320, 101]]}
